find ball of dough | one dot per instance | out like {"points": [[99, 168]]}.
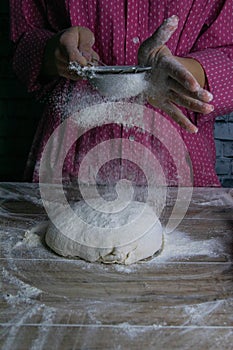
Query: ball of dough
{"points": [[141, 247]]}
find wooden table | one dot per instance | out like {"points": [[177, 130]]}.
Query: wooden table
{"points": [[182, 299]]}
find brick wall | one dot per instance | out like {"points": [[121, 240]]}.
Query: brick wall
{"points": [[19, 115], [224, 149]]}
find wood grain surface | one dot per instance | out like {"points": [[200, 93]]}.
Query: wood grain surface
{"points": [[181, 299]]}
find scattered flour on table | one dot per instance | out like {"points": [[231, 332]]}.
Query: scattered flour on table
{"points": [[176, 245], [26, 300], [179, 245], [25, 292], [198, 313], [132, 331], [31, 239], [217, 199]]}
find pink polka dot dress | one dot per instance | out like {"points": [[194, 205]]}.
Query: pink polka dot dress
{"points": [[205, 33]]}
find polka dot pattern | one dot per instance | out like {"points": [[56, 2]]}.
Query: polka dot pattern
{"points": [[205, 33]]}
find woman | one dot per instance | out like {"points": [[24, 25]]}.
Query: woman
{"points": [[190, 58]]}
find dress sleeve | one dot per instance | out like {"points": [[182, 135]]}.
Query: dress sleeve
{"points": [[214, 51], [30, 31]]}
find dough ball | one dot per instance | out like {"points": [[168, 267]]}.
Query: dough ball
{"points": [[104, 249]]}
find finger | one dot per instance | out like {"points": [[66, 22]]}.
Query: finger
{"points": [[204, 95], [61, 56], [69, 46], [201, 95], [161, 35], [178, 72], [65, 71], [176, 114], [73, 55], [68, 74], [165, 31], [158, 39], [190, 103], [86, 41], [95, 58]]}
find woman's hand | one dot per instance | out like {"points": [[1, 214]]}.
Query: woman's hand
{"points": [[171, 83], [72, 44]]}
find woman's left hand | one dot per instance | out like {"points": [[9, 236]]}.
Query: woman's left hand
{"points": [[170, 82]]}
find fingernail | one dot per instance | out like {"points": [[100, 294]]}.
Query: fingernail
{"points": [[173, 17], [192, 129], [211, 108], [172, 21], [204, 95], [210, 96]]}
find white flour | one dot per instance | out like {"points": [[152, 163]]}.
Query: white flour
{"points": [[26, 298], [119, 86], [106, 112], [25, 293], [177, 246], [28, 304]]}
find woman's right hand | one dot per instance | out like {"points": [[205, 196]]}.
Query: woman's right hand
{"points": [[72, 44]]}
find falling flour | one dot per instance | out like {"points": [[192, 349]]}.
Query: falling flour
{"points": [[106, 111]]}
